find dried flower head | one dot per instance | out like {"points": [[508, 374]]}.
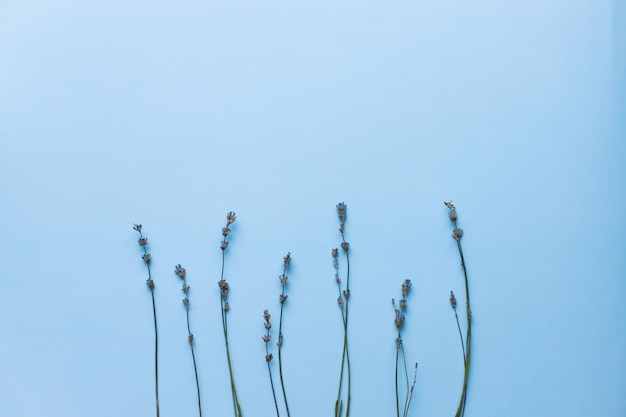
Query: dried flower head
{"points": [[269, 357], [283, 280], [266, 315], [267, 338], [224, 244], [345, 246], [146, 258], [337, 279], [399, 319], [456, 234], [230, 218], [283, 298], [186, 288], [150, 283], [137, 227], [335, 263], [406, 286], [452, 300], [402, 304], [340, 302], [190, 338], [346, 294], [335, 252], [341, 228], [286, 260], [226, 307], [341, 212], [398, 341], [186, 302], [143, 241], [225, 231], [449, 204], [180, 271], [268, 325]]}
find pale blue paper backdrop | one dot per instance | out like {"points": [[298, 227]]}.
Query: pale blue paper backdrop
{"points": [[171, 114]]}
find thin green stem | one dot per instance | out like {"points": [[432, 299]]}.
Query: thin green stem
{"points": [[397, 388], [458, 325], [269, 371], [236, 406], [406, 374], [462, 402], [195, 369], [346, 350], [280, 361], [156, 352], [156, 334], [193, 356]]}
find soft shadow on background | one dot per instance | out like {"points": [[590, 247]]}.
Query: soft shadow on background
{"points": [[172, 114]]}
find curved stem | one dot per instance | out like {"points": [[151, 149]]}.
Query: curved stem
{"points": [[156, 351], [462, 401], [458, 325], [269, 371], [406, 374], [397, 390], [280, 362], [236, 406], [193, 355], [347, 352]]}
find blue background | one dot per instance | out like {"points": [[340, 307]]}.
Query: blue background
{"points": [[171, 114]]}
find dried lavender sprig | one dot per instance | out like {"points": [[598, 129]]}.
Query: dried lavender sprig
{"points": [[345, 359], [182, 274], [458, 325], [456, 235], [269, 356], [143, 242], [282, 299], [400, 310], [224, 288]]}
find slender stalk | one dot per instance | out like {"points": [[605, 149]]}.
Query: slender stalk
{"points": [[224, 287], [406, 412], [143, 243], [269, 357], [457, 234], [458, 325], [280, 361], [345, 341], [345, 357], [283, 298], [156, 353], [400, 309], [397, 388], [406, 374], [195, 369], [272, 384], [181, 272]]}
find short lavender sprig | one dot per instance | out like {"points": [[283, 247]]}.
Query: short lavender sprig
{"points": [[182, 274], [343, 301], [224, 288], [456, 235], [143, 243], [282, 299], [400, 317], [268, 356]]}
